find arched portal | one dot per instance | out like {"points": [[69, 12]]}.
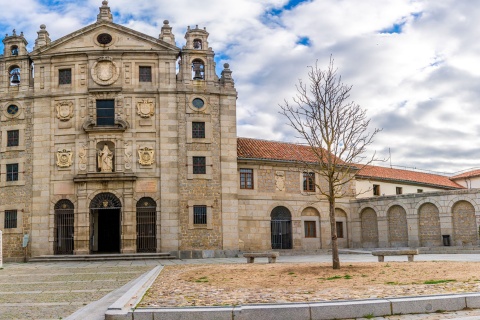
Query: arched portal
{"points": [[281, 228], [146, 225], [369, 228], [429, 225], [397, 227], [64, 227], [105, 213], [464, 224]]}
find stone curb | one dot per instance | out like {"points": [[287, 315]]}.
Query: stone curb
{"points": [[126, 303], [124, 308]]}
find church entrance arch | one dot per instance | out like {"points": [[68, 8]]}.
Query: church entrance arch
{"points": [[281, 228], [105, 223]]}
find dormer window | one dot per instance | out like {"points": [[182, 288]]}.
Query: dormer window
{"points": [[14, 75], [14, 50], [198, 69], [197, 44]]}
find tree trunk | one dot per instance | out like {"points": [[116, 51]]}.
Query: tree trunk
{"points": [[333, 229]]}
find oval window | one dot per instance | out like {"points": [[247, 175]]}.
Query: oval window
{"points": [[198, 103], [12, 109], [104, 38]]}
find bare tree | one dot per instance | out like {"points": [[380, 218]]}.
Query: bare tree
{"points": [[336, 130]]}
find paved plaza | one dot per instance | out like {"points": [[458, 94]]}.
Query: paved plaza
{"points": [[66, 290]]}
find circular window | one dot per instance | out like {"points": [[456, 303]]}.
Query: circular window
{"points": [[198, 103], [12, 109], [104, 38]]}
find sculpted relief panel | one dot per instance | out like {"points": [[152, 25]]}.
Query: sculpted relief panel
{"points": [[64, 110], [64, 158], [145, 108], [105, 72], [146, 156]]}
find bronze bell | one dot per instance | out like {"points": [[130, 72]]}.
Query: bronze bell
{"points": [[15, 77], [197, 69]]}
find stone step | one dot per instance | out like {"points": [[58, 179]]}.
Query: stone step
{"points": [[102, 257]]}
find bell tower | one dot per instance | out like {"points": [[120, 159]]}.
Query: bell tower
{"points": [[197, 58], [17, 68]]}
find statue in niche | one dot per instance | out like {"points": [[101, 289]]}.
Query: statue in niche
{"points": [[105, 159]]}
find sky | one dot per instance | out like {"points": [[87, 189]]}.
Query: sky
{"points": [[414, 65]]}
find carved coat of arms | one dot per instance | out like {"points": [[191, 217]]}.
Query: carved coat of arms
{"points": [[105, 72], [280, 180], [64, 158], [145, 108], [64, 110], [146, 156]]}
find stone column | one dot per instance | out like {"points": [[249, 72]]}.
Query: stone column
{"points": [[82, 222], [1, 254], [129, 224]]}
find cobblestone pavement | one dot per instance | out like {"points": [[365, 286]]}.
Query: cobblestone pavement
{"points": [[56, 290]]}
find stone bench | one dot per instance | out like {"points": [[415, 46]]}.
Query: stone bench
{"points": [[272, 256], [406, 252]]}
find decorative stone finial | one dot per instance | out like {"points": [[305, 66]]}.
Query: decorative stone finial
{"points": [[166, 33], [43, 38], [226, 66], [105, 13], [226, 78]]}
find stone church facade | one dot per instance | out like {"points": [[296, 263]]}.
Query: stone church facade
{"points": [[113, 141]]}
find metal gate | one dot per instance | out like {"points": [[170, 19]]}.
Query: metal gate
{"points": [[281, 234], [64, 227], [146, 225], [281, 228]]}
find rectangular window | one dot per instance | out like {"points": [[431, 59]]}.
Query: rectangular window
{"points": [[339, 228], [246, 178], [376, 190], [12, 172], [309, 181], [13, 138], [199, 165], [10, 219], [198, 130], [310, 229], [199, 214], [105, 112], [65, 76], [419, 190], [145, 74], [399, 190]]}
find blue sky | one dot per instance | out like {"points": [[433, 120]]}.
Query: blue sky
{"points": [[414, 64]]}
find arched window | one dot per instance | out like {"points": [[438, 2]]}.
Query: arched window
{"points": [[14, 50], [14, 73], [64, 227], [198, 69], [146, 225], [197, 44]]}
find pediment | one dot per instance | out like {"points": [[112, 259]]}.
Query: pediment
{"points": [[122, 39]]}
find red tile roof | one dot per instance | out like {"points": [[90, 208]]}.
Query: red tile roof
{"points": [[468, 174], [272, 150], [248, 148], [383, 173]]}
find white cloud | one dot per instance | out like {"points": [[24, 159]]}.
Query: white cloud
{"points": [[420, 85]]}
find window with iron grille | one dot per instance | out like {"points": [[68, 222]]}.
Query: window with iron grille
{"points": [[310, 229], [339, 227], [10, 219], [198, 130], [246, 178], [65, 76], [12, 172], [309, 181], [145, 74], [105, 112], [199, 165], [199, 214], [13, 138]]}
